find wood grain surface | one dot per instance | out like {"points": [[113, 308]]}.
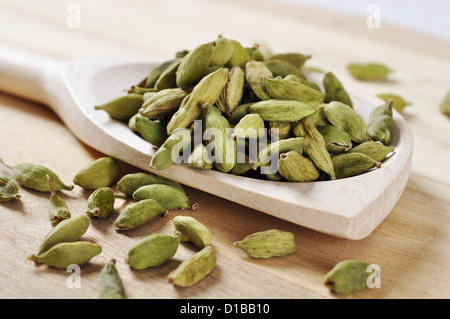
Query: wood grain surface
{"points": [[410, 245]]}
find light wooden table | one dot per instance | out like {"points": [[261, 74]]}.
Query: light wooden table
{"points": [[411, 246]]}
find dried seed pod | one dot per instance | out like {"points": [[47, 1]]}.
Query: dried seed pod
{"points": [[250, 126], [199, 158], [129, 183], [239, 57], [168, 78], [221, 52], [123, 107], [165, 155], [296, 168], [344, 117], [334, 90], [379, 124], [138, 214], [234, 89], [132, 122], [369, 71], [399, 103], [289, 90], [100, 173], [191, 271], [238, 113], [283, 68], [164, 102], [269, 243], [34, 176], [351, 164], [152, 131], [58, 210], [284, 129], [272, 151], [63, 255], [347, 277], [8, 189], [336, 139], [282, 110], [375, 150], [101, 203], [192, 231], [156, 72], [111, 286], [315, 146], [193, 65], [255, 74], [167, 196], [68, 230], [153, 251]]}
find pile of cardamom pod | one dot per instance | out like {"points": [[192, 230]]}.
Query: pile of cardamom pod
{"points": [[246, 94]]}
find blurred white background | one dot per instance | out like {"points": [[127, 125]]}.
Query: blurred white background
{"points": [[431, 17]]}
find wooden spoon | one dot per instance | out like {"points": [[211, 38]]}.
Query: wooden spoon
{"points": [[349, 208]]}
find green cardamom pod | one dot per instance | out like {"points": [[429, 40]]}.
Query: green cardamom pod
{"points": [[255, 53], [101, 203], [132, 122], [255, 73], [129, 183], [284, 129], [63, 255], [289, 90], [315, 146], [34, 176], [242, 166], [68, 230], [344, 117], [191, 271], [265, 156], [238, 113], [193, 65], [269, 243], [399, 103], [234, 90], [250, 126], [334, 90], [369, 71], [319, 118], [153, 251], [336, 140], [217, 133], [100, 173], [147, 95], [375, 150], [199, 158], [164, 102], [379, 124], [445, 104], [239, 56], [58, 209], [296, 59], [171, 148], [167, 196], [156, 72], [138, 214], [8, 189], [168, 78], [294, 78], [207, 91], [347, 277], [123, 107], [152, 131], [221, 52], [111, 286], [141, 91], [351, 164], [192, 231], [297, 168], [282, 110], [283, 68]]}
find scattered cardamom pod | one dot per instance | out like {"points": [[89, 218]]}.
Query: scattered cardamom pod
{"points": [[192, 231], [167, 196], [138, 214], [101, 203], [269, 243], [68, 230], [100, 173], [58, 209], [129, 183], [8, 189], [111, 286], [34, 176], [379, 124], [153, 251], [191, 271], [347, 277], [64, 254], [369, 71]]}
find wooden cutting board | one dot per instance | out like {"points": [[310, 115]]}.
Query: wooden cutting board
{"points": [[410, 246]]}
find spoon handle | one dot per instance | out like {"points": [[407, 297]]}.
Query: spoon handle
{"points": [[26, 75]]}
